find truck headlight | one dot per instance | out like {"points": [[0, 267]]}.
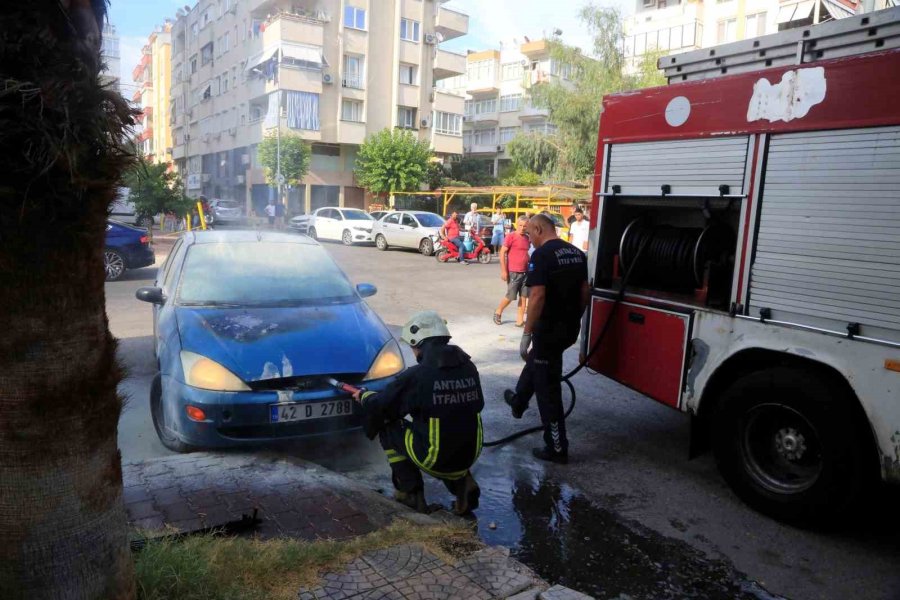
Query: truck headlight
{"points": [[388, 362], [206, 374]]}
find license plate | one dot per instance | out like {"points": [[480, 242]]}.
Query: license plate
{"points": [[285, 413]]}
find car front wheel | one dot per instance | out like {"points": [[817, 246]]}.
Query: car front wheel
{"points": [[790, 445], [426, 247], [347, 238], [158, 415], [113, 264], [311, 232], [380, 242], [485, 257]]}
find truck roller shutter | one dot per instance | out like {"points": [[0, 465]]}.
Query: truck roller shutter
{"points": [[689, 167], [828, 248]]}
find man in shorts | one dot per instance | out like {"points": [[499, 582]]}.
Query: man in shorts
{"points": [[513, 266]]}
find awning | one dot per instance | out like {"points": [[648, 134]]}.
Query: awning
{"points": [[837, 10], [795, 12], [260, 58], [307, 54]]}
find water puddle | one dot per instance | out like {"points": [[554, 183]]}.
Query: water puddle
{"points": [[566, 539]]}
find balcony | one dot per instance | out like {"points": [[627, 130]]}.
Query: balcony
{"points": [[535, 48], [532, 113], [297, 29], [409, 95], [449, 103], [482, 149], [351, 132], [448, 64], [447, 144], [485, 118], [451, 24]]}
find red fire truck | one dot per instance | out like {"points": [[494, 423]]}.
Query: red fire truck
{"points": [[753, 206]]}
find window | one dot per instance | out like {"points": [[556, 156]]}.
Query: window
{"points": [[354, 75], [408, 74], [406, 117], [483, 107], [485, 137], [226, 42], [511, 103], [408, 221], [562, 69], [727, 31], [481, 70], [409, 30], [355, 18], [756, 25], [640, 44], [302, 110], [675, 37], [224, 80], [206, 53], [393, 219], [511, 71], [325, 150], [508, 133], [193, 64], [448, 123], [352, 110]]}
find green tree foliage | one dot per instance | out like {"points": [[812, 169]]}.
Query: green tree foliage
{"points": [[295, 155], [534, 152], [522, 178], [473, 171], [155, 189], [392, 160], [575, 107]]}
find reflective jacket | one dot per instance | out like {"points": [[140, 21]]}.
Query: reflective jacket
{"points": [[442, 395]]}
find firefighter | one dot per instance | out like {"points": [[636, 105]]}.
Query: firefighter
{"points": [[558, 293], [442, 395]]}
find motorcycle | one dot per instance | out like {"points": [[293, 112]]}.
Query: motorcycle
{"points": [[474, 247]]}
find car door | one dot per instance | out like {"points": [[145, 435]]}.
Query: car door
{"points": [[409, 231], [390, 228], [163, 314]]}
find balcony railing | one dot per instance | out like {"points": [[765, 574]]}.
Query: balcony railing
{"points": [[354, 81]]}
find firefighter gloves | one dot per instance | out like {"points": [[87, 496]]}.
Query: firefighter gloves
{"points": [[524, 345]]}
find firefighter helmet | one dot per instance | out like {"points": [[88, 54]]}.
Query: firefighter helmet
{"points": [[424, 325]]}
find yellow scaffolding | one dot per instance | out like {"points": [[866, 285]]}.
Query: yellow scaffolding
{"points": [[546, 197]]}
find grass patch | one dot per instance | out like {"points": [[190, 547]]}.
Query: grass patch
{"points": [[211, 567]]}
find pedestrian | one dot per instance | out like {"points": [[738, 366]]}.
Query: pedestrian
{"points": [[472, 220], [513, 264], [279, 215], [450, 232], [499, 232], [442, 398], [579, 230], [557, 296], [270, 213]]}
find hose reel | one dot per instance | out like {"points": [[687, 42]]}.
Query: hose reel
{"points": [[675, 258]]}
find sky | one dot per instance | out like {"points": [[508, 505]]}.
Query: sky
{"points": [[490, 21]]}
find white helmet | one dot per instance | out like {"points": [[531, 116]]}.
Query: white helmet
{"points": [[424, 325]]}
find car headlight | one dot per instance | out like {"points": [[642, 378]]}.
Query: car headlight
{"points": [[366, 229], [201, 372], [388, 362]]}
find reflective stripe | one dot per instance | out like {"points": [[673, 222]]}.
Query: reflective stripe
{"points": [[434, 441], [365, 395], [391, 452], [396, 459], [412, 455], [480, 438]]}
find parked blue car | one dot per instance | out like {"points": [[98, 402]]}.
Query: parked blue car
{"points": [[247, 326], [126, 247]]}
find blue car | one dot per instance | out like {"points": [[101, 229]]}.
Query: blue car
{"points": [[247, 327], [126, 247]]}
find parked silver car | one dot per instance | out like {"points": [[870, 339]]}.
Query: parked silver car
{"points": [[225, 211], [408, 229]]}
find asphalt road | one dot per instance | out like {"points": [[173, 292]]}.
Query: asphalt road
{"points": [[629, 482]]}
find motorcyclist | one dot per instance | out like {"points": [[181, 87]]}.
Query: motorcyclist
{"points": [[450, 232], [442, 396]]}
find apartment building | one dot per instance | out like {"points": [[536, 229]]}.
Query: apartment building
{"points": [[109, 51], [672, 26], [153, 78], [496, 86], [330, 71]]}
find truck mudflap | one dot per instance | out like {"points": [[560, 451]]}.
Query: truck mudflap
{"points": [[645, 348]]}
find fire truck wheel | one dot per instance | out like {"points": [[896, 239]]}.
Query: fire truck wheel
{"points": [[788, 443]]}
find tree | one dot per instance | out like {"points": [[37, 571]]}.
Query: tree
{"points": [[575, 108], [534, 152], [154, 189], [295, 156], [391, 161], [62, 519], [522, 178], [473, 171]]}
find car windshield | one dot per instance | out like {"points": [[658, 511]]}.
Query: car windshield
{"points": [[227, 204], [261, 274], [357, 215], [429, 219]]}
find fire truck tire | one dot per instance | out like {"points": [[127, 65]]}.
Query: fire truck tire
{"points": [[787, 441]]}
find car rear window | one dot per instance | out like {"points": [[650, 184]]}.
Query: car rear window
{"points": [[429, 219], [357, 215], [261, 274]]}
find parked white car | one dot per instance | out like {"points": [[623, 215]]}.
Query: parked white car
{"points": [[225, 211], [408, 229], [347, 225], [123, 210]]}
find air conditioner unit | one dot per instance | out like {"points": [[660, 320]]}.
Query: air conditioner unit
{"points": [[327, 78], [424, 123], [467, 117], [430, 38], [499, 148], [524, 62]]}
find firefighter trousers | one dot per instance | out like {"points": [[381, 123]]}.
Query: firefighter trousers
{"points": [[406, 476], [542, 377]]}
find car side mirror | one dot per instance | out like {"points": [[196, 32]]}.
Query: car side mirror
{"points": [[153, 295], [366, 289]]}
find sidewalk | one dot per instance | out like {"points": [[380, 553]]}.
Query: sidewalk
{"points": [[302, 500]]}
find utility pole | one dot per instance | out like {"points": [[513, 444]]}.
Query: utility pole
{"points": [[278, 177]]}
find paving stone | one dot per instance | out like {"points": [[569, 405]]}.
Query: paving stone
{"points": [[187, 524], [178, 512], [238, 502], [442, 583], [357, 578], [141, 510], [155, 522], [559, 592], [529, 594], [402, 561], [493, 570], [329, 529], [340, 508], [136, 493], [166, 496], [214, 515], [358, 524]]}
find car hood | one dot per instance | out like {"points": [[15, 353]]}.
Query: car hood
{"points": [[359, 223], [270, 343]]}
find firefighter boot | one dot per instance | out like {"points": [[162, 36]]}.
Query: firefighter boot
{"points": [[549, 455], [467, 494], [414, 500]]}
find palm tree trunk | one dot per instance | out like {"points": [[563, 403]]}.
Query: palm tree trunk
{"points": [[62, 522]]}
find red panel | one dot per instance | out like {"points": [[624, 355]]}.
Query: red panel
{"points": [[861, 91], [643, 349]]}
